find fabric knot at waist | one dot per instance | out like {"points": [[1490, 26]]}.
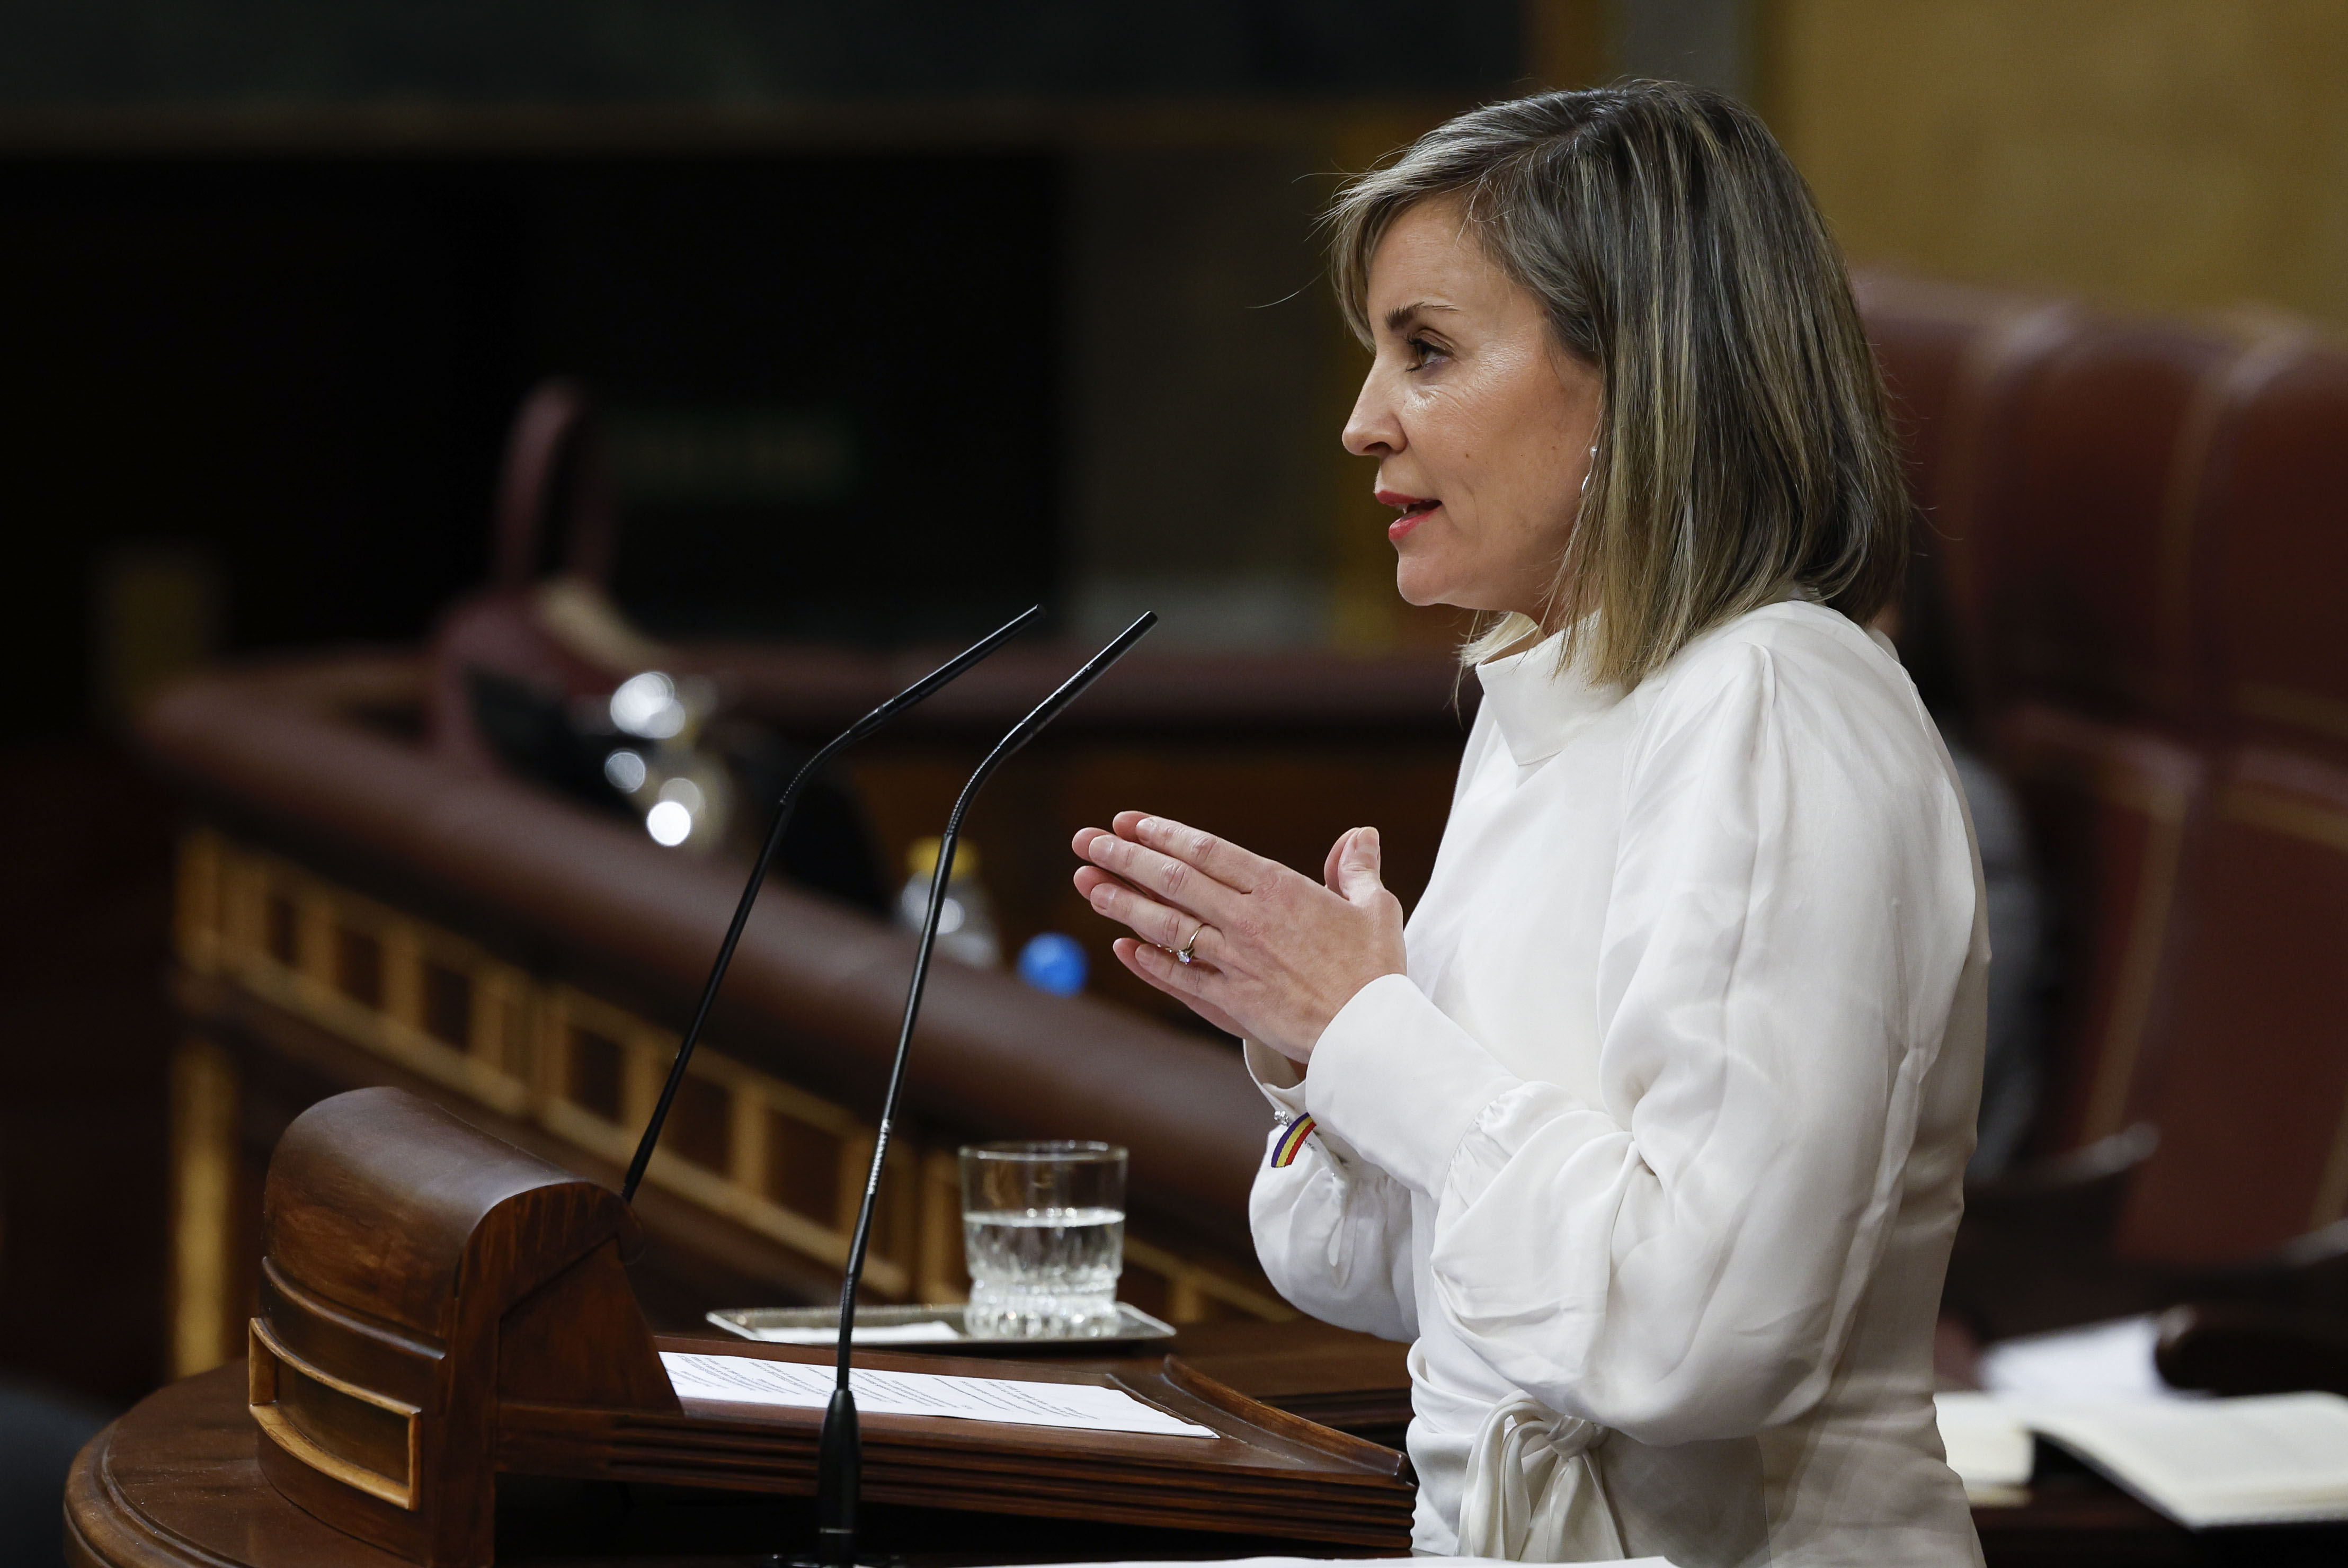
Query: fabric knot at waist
{"points": [[1532, 1492]]}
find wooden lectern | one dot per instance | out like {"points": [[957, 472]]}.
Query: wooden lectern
{"points": [[439, 1307]]}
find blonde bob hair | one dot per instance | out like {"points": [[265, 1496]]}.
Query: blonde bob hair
{"points": [[1743, 453]]}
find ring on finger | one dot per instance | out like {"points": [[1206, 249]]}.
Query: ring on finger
{"points": [[1184, 953]]}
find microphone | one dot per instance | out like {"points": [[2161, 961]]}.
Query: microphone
{"points": [[929, 684], [840, 1460]]}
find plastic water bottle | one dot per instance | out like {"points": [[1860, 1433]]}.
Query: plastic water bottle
{"points": [[966, 923]]}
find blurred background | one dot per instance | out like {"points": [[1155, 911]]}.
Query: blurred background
{"points": [[898, 317]]}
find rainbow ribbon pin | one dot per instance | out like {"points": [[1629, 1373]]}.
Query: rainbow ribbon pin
{"points": [[1284, 1152]]}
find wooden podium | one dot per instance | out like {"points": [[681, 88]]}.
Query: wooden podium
{"points": [[439, 1309], [450, 1360]]}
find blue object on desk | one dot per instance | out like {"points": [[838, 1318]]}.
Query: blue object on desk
{"points": [[1054, 963]]}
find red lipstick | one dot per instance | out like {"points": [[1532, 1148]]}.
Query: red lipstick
{"points": [[1413, 508]]}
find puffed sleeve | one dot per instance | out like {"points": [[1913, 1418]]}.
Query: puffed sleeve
{"points": [[1331, 1230], [1792, 909]]}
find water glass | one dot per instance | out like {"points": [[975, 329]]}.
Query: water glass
{"points": [[1043, 1228]]}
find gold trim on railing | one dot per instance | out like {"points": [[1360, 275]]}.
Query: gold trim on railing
{"points": [[788, 1165], [203, 1196]]}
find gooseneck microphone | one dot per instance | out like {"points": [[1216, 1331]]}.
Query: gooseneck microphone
{"points": [[839, 1461], [928, 685]]}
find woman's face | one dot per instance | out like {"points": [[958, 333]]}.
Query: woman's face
{"points": [[1480, 420]]}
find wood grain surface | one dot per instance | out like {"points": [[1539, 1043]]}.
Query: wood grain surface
{"points": [[175, 1484]]}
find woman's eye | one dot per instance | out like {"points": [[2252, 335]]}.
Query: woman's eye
{"points": [[1421, 351]]}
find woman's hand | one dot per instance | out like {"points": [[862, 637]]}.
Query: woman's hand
{"points": [[1274, 956]]}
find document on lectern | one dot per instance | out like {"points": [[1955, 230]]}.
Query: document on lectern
{"points": [[1335, 1562], [1073, 1407]]}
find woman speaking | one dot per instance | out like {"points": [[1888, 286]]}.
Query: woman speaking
{"points": [[1647, 1131]]}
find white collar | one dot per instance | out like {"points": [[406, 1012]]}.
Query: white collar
{"points": [[1536, 705]]}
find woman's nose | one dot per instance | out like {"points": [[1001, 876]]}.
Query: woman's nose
{"points": [[1372, 430]]}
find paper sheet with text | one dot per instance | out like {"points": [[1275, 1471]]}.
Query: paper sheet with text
{"points": [[878, 1334], [1073, 1407]]}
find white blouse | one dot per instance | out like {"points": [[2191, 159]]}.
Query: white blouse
{"points": [[1656, 1152]]}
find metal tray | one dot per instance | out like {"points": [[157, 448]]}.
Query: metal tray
{"points": [[933, 1327]]}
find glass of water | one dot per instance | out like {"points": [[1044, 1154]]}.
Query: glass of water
{"points": [[1043, 1227]]}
